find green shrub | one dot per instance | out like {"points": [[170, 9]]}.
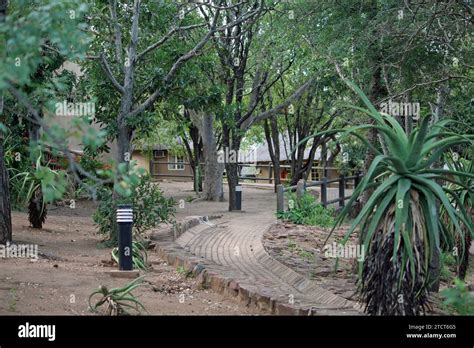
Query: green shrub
{"points": [[447, 262], [458, 298], [306, 211], [150, 208]]}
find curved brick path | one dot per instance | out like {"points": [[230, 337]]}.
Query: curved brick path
{"points": [[233, 244]]}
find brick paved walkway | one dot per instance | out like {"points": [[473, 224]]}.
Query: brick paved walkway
{"points": [[233, 245]]}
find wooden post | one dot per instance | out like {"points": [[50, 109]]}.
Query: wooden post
{"points": [[269, 173], [280, 193], [356, 180], [324, 193], [300, 188], [342, 184]]}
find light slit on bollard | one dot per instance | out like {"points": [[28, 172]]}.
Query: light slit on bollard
{"points": [[125, 223]]}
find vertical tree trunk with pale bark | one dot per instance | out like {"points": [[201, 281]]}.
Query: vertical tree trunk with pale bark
{"points": [[213, 188]]}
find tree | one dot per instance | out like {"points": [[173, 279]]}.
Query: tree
{"points": [[22, 68], [249, 67], [158, 49], [5, 206], [204, 121]]}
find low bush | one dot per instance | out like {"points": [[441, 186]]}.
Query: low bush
{"points": [[458, 299], [150, 207], [306, 211]]}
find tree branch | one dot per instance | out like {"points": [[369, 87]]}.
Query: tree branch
{"points": [[117, 31], [270, 113], [106, 68], [166, 38]]}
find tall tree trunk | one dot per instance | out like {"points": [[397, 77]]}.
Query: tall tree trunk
{"points": [[231, 143], [273, 141], [196, 154], [434, 269], [5, 207], [377, 92], [213, 188], [125, 132], [123, 145]]}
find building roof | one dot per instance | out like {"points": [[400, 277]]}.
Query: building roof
{"points": [[261, 153]]}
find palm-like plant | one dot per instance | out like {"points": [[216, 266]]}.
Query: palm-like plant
{"points": [[30, 191], [459, 243], [399, 226]]}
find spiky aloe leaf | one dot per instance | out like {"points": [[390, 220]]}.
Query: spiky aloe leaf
{"points": [[399, 224]]}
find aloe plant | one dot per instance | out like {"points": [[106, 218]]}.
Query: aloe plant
{"points": [[30, 185], [459, 244], [30, 192], [118, 301], [399, 226]]}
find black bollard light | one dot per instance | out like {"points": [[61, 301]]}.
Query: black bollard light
{"points": [[125, 223], [238, 197]]}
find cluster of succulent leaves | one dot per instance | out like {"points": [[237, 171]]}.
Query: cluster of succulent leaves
{"points": [[305, 210], [117, 301], [25, 178], [458, 243], [150, 206]]}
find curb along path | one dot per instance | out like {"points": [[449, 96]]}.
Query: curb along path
{"points": [[227, 255]]}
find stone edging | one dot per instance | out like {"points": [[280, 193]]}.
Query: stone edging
{"points": [[208, 275]]}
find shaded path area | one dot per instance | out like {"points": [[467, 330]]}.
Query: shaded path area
{"points": [[232, 247]]}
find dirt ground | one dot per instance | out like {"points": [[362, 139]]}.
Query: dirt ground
{"points": [[71, 266], [300, 248]]}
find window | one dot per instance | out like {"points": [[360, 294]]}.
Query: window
{"points": [[158, 154], [177, 163], [314, 174]]}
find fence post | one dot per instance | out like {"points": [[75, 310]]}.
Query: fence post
{"points": [[300, 188], [280, 192], [324, 192], [356, 180], [269, 173], [342, 184]]}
